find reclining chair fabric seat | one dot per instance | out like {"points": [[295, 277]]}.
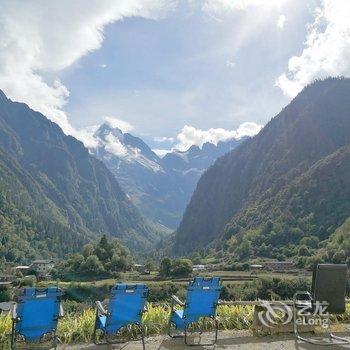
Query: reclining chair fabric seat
{"points": [[125, 307], [202, 298], [37, 312]]}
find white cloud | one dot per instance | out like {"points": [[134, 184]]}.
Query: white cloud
{"points": [[248, 129], [222, 6], [40, 38], [86, 135], [114, 146], [326, 51], [123, 125], [230, 64], [103, 65], [163, 139], [189, 135], [281, 21]]}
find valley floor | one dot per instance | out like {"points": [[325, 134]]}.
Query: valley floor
{"points": [[228, 340]]}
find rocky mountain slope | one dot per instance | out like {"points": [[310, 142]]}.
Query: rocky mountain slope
{"points": [[289, 182], [53, 194]]}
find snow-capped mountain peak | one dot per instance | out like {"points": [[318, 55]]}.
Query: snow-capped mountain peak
{"points": [[113, 143], [160, 187]]}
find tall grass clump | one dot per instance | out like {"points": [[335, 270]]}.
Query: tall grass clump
{"points": [[76, 328], [236, 317], [5, 330], [156, 319]]}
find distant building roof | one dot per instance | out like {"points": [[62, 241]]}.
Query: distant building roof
{"points": [[256, 266], [199, 266], [22, 267], [6, 283]]}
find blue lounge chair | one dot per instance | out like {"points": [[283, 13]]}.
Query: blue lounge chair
{"points": [[201, 301], [125, 307], [36, 315]]}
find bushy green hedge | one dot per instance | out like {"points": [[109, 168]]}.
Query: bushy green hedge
{"points": [[265, 288]]}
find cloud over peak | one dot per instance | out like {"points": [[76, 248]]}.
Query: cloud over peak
{"points": [[326, 51], [123, 125], [189, 135]]}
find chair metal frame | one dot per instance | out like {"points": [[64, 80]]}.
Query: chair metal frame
{"points": [[100, 310], [16, 318], [176, 301], [311, 302]]}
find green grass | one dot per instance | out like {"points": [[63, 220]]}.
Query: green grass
{"points": [[5, 328]]}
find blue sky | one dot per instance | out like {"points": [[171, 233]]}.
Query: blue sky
{"points": [[185, 69], [160, 65]]}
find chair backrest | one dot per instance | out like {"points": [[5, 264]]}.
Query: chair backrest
{"points": [[202, 298], [37, 312], [329, 285], [125, 305]]}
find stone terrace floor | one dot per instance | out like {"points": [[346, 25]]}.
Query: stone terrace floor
{"points": [[228, 340]]}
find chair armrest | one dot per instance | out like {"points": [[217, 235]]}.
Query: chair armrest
{"points": [[61, 313], [100, 308], [299, 293], [176, 300], [13, 311]]}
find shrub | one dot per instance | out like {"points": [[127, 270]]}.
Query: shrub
{"points": [[182, 268], [5, 294]]}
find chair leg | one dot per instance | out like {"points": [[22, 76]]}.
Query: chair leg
{"points": [[95, 329], [172, 335], [94, 335], [54, 341], [185, 338], [340, 340], [216, 330], [96, 342], [13, 342], [142, 336], [13, 337], [110, 341], [209, 344]]}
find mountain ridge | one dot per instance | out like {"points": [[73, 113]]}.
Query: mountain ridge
{"points": [[299, 136], [49, 177]]}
